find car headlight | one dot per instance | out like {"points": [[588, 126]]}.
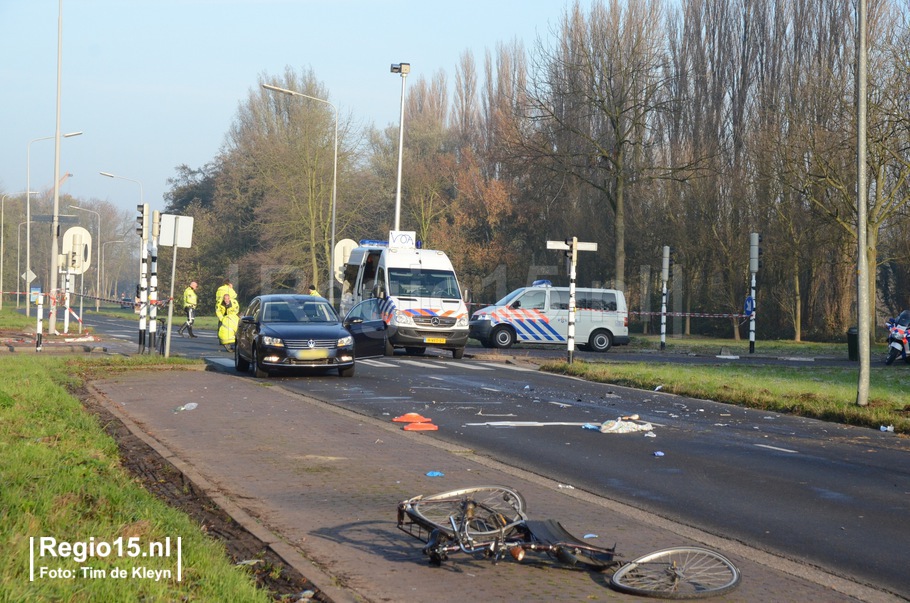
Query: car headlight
{"points": [[345, 341], [275, 342], [462, 322], [480, 316], [403, 320]]}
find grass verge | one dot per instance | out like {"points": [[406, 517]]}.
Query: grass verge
{"points": [[62, 479], [817, 392]]}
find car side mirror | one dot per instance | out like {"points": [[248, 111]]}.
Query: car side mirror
{"points": [[249, 320], [517, 303]]}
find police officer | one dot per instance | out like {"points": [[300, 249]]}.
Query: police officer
{"points": [[189, 306]]}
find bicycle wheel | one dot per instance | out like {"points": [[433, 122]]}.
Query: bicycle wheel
{"points": [[495, 507], [678, 573]]}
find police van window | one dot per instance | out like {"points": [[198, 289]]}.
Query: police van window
{"points": [[559, 300], [534, 300], [582, 300], [609, 301]]}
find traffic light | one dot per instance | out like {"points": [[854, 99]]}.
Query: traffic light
{"points": [[754, 252], [142, 219], [568, 251], [666, 270]]}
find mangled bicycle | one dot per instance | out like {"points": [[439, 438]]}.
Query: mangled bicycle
{"points": [[491, 521]]}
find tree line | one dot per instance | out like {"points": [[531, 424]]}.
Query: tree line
{"points": [[634, 124]]}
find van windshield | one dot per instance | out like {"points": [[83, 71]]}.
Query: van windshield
{"points": [[418, 282], [505, 301]]}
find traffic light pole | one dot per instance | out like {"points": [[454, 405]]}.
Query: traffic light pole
{"points": [[143, 272], [153, 281]]}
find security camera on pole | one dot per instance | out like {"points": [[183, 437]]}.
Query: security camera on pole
{"points": [[571, 247], [666, 272], [754, 265]]}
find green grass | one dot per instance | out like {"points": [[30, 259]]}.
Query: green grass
{"points": [[61, 477], [820, 392]]}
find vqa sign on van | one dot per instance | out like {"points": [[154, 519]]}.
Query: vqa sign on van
{"points": [[403, 239]]}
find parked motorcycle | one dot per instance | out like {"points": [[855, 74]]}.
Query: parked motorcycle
{"points": [[898, 334]]}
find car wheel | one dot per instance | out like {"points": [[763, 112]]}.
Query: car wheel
{"points": [[241, 364], [257, 368], [346, 371], [600, 341], [503, 337]]}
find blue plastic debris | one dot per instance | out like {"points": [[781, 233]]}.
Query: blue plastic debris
{"points": [[435, 474]]}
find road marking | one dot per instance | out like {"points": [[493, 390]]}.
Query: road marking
{"points": [[776, 448], [466, 365], [376, 363], [416, 363]]}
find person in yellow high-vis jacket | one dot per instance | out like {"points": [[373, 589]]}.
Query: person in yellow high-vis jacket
{"points": [[189, 306], [228, 313]]}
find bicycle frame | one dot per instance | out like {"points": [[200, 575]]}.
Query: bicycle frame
{"points": [[490, 520]]}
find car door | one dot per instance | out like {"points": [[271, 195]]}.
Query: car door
{"points": [[247, 329], [365, 324]]}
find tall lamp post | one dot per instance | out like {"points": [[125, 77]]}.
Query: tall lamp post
{"points": [[28, 209], [3, 245], [334, 180], [98, 247], [404, 69]]}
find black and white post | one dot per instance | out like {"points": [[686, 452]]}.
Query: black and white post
{"points": [[153, 281], [143, 230], [571, 248], [664, 277], [754, 264]]}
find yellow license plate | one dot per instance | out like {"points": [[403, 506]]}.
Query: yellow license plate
{"points": [[434, 339], [310, 354]]}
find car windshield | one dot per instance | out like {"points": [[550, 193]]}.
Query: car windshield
{"points": [[293, 310], [418, 282]]}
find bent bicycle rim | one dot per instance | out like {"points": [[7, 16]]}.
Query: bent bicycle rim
{"points": [[678, 573], [435, 510]]}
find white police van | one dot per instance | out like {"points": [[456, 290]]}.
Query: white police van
{"points": [[421, 302], [540, 314]]}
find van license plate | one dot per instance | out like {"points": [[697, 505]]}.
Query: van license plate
{"points": [[434, 339]]}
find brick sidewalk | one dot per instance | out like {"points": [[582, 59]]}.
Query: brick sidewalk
{"points": [[322, 485]]}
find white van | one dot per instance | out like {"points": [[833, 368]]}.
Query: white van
{"points": [[540, 314], [421, 300]]}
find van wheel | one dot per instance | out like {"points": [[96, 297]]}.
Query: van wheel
{"points": [[458, 353], [503, 337], [600, 340], [389, 348]]}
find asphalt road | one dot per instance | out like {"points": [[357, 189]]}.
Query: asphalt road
{"points": [[831, 495]]}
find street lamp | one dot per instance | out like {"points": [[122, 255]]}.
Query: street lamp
{"points": [[3, 245], [334, 182], [18, 256], [97, 271], [103, 245], [404, 69], [28, 208]]}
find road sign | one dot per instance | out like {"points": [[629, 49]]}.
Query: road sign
{"points": [[176, 229], [340, 256], [565, 246], [28, 276], [77, 247]]}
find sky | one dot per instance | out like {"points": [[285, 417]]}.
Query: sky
{"points": [[154, 84]]}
